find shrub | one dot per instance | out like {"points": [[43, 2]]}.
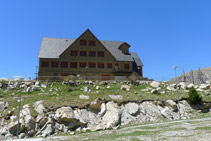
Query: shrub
{"points": [[194, 97]]}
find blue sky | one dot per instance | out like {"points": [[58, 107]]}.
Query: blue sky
{"points": [[163, 32]]}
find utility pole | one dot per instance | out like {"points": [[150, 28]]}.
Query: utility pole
{"points": [[192, 76], [175, 67], [184, 75], [36, 74], [19, 108]]}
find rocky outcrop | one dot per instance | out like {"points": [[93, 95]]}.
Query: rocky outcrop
{"points": [[99, 115]]}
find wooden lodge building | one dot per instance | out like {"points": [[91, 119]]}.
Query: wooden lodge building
{"points": [[86, 56]]}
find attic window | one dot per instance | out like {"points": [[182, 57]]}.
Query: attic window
{"points": [[83, 42], [91, 43]]}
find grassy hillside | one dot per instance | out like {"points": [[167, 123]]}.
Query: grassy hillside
{"points": [[57, 94]]}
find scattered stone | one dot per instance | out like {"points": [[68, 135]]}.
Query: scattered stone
{"points": [[3, 106], [132, 108], [145, 90], [108, 87], [154, 91], [204, 86], [97, 87], [155, 84], [83, 96], [190, 85], [125, 87], [43, 86], [39, 108], [87, 89], [70, 89], [28, 90], [116, 97]]}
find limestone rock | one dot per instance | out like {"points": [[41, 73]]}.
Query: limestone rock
{"points": [[182, 85], [87, 89], [96, 105], [190, 85], [154, 91], [112, 115], [132, 108], [125, 87], [3, 106], [12, 126], [29, 122], [83, 96], [155, 84], [39, 108], [64, 114], [48, 130], [171, 104], [116, 97], [204, 86]]}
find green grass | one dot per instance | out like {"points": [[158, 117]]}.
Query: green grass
{"points": [[203, 128], [62, 97]]}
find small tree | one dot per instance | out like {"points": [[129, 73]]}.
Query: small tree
{"points": [[194, 97]]}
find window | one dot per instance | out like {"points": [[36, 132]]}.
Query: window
{"points": [[91, 43], [73, 53], [100, 65], [92, 54], [54, 64], [82, 65], [100, 54], [91, 65], [45, 63], [83, 42], [109, 65], [82, 53], [73, 64], [64, 64], [126, 66]]}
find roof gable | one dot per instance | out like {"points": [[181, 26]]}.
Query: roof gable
{"points": [[55, 47], [91, 36]]}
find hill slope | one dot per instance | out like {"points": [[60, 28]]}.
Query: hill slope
{"points": [[196, 76]]}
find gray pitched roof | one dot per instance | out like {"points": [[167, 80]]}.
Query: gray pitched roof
{"points": [[113, 48], [53, 47], [136, 59]]}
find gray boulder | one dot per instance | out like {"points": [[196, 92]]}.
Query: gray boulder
{"points": [[39, 108], [3, 105], [83, 96], [48, 130], [29, 122], [116, 97], [125, 87], [132, 108], [155, 84], [112, 116]]}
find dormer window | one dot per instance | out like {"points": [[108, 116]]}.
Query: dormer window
{"points": [[83, 42], [91, 43]]}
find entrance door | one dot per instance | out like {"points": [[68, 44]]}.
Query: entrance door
{"points": [[55, 77]]}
